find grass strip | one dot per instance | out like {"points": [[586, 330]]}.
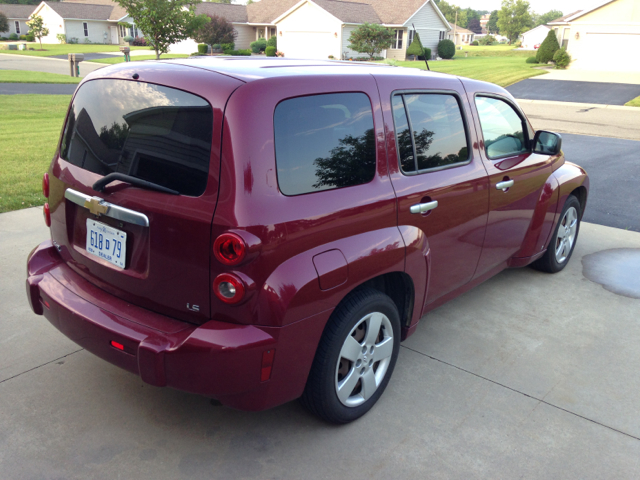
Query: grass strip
{"points": [[29, 130], [50, 49], [633, 103], [26, 76]]}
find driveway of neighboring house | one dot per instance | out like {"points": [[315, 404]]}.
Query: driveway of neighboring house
{"points": [[575, 91]]}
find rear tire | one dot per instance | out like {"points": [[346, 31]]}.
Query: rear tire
{"points": [[355, 357], [563, 240]]}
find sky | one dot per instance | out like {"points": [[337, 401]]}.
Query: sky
{"points": [[538, 6]]}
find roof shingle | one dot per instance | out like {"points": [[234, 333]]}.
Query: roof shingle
{"points": [[233, 13], [17, 11]]}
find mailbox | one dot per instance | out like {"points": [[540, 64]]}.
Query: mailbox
{"points": [[127, 55], [74, 63]]}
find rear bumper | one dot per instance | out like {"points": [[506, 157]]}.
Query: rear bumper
{"points": [[216, 359]]}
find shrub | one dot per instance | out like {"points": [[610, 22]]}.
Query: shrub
{"points": [[227, 46], [518, 44], [390, 61], [62, 38], [203, 48], [30, 38], [532, 60], [475, 43], [488, 40], [23, 37], [270, 51], [86, 40], [216, 46], [548, 48], [273, 42], [259, 45], [238, 53], [426, 54], [415, 48], [127, 39], [139, 42], [279, 54], [562, 58], [13, 36], [72, 40], [446, 49]]}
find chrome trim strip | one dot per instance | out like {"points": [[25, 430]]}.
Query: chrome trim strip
{"points": [[113, 211]]}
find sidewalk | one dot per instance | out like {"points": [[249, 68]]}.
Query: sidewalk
{"points": [[44, 64]]}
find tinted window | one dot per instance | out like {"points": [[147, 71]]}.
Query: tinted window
{"points": [[438, 134], [324, 142], [502, 128], [155, 133]]}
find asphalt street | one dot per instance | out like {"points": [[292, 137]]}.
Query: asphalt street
{"points": [[529, 375], [573, 91], [37, 88], [43, 64]]}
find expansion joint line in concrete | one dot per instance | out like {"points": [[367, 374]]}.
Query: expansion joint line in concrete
{"points": [[522, 393], [46, 363]]}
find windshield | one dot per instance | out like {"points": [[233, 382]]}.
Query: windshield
{"points": [[154, 133]]}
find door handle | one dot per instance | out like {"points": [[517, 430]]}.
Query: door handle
{"points": [[423, 207], [504, 185]]}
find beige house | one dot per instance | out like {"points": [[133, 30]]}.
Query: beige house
{"points": [[605, 37], [94, 21], [321, 28], [460, 36], [17, 15]]}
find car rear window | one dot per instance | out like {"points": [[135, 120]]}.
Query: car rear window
{"points": [[155, 133], [324, 142]]}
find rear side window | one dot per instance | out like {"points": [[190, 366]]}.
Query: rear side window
{"points": [[324, 142], [430, 132], [155, 133], [502, 128]]}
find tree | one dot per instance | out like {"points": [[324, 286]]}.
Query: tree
{"points": [[492, 25], [370, 38], [164, 22], [449, 12], [474, 25], [37, 28], [216, 30], [514, 18], [416, 48], [548, 48], [4, 23], [546, 17]]}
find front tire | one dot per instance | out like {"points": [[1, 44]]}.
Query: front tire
{"points": [[563, 240], [355, 357]]}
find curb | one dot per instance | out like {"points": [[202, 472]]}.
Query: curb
{"points": [[580, 105]]}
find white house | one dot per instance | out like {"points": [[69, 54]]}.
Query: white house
{"points": [[604, 37], [460, 36], [94, 21], [17, 16], [320, 28], [534, 36]]}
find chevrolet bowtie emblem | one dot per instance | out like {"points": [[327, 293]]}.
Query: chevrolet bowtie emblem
{"points": [[95, 206]]}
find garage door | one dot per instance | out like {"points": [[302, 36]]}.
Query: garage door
{"points": [[316, 45], [609, 51]]}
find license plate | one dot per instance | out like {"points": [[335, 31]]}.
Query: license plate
{"points": [[106, 242]]}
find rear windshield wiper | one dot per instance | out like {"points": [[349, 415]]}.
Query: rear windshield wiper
{"points": [[100, 185]]}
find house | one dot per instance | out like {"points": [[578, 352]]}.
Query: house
{"points": [[321, 28], [534, 36], [17, 16], [604, 37], [460, 36], [94, 21]]}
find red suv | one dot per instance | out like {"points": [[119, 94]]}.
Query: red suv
{"points": [[262, 230]]}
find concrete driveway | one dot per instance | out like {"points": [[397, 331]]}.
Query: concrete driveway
{"points": [[575, 91], [529, 375]]}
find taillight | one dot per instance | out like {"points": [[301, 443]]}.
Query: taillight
{"points": [[45, 185], [228, 288], [229, 249], [46, 211]]}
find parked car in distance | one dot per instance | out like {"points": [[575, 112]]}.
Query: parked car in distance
{"points": [[536, 46], [262, 230]]}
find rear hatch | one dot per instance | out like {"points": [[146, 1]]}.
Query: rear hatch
{"points": [[137, 241]]}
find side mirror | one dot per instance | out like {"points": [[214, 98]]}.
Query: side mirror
{"points": [[547, 143]]}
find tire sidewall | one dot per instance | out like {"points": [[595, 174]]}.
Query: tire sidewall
{"points": [[555, 265], [348, 319]]}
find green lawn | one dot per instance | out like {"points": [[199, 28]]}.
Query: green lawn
{"points": [[29, 130], [25, 76], [501, 70], [494, 51], [49, 49], [120, 59], [633, 103]]}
